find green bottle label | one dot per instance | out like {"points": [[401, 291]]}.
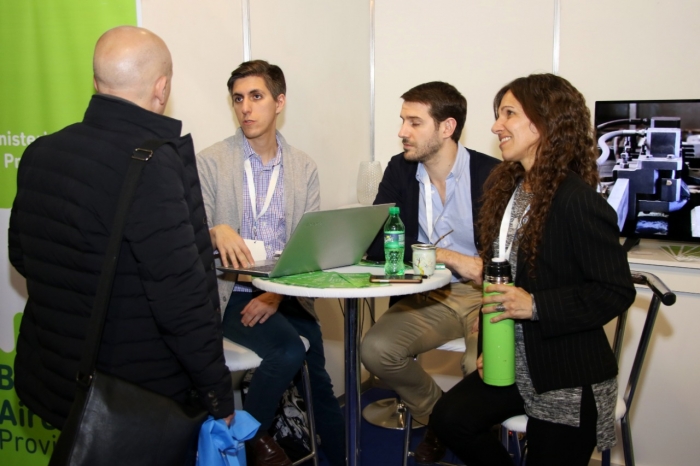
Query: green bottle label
{"points": [[398, 238]]}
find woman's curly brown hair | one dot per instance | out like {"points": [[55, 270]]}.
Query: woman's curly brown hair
{"points": [[559, 112]]}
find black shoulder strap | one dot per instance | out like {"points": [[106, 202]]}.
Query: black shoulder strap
{"points": [[95, 327]]}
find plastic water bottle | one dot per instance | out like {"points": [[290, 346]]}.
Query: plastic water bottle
{"points": [[394, 243], [499, 338]]}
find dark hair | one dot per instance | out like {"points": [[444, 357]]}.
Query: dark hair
{"points": [[558, 111], [443, 100], [272, 74]]}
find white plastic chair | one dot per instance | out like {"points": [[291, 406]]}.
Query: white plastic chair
{"points": [[240, 359]]}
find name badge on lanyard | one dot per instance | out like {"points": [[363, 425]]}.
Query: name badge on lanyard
{"points": [[251, 192]]}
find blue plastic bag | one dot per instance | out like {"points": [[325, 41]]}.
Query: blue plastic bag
{"points": [[221, 445]]}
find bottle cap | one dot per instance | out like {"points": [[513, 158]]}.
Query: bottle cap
{"points": [[393, 210], [497, 267]]}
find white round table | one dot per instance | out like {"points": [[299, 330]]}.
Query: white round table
{"points": [[352, 332]]}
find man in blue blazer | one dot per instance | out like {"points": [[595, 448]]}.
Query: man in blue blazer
{"points": [[437, 185]]}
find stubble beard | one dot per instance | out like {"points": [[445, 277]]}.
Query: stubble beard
{"points": [[426, 152]]}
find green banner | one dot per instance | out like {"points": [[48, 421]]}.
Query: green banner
{"points": [[46, 82], [46, 48]]}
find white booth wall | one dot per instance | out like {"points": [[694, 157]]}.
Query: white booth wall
{"points": [[609, 50]]}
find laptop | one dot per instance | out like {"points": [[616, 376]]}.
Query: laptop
{"points": [[323, 240]]}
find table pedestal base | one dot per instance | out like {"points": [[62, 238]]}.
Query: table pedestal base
{"points": [[389, 413], [352, 383]]}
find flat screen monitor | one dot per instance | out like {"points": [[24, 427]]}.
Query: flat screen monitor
{"points": [[649, 166]]}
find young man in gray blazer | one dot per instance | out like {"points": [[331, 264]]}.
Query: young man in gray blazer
{"points": [[257, 163]]}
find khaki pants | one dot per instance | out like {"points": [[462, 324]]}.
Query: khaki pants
{"points": [[412, 326]]}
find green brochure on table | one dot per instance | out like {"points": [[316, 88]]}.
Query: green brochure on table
{"points": [[326, 280]]}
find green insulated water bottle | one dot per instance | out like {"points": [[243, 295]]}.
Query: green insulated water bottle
{"points": [[498, 338], [394, 243]]}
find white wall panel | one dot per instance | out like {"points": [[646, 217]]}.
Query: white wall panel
{"points": [[629, 49], [206, 41], [477, 46], [323, 49]]}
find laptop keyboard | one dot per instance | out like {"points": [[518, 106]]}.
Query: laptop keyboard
{"points": [[262, 268]]}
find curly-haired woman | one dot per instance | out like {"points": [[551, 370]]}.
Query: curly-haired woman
{"points": [[571, 278]]}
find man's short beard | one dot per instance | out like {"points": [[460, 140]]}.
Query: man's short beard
{"points": [[426, 152]]}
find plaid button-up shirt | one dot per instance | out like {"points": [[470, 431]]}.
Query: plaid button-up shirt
{"points": [[271, 226]]}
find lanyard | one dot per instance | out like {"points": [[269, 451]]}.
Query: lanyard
{"points": [[428, 191], [251, 192], [503, 252]]}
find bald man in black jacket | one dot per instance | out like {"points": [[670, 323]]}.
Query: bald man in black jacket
{"points": [[163, 328]]}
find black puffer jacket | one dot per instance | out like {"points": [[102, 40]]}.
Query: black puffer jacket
{"points": [[163, 327]]}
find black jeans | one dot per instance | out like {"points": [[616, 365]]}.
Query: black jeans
{"points": [[282, 352], [463, 418]]}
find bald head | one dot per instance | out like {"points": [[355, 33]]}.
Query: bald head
{"points": [[134, 64]]}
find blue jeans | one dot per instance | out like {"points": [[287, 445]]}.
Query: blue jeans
{"points": [[282, 352]]}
